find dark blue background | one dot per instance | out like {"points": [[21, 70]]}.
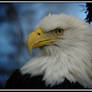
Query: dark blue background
{"points": [[17, 20]]}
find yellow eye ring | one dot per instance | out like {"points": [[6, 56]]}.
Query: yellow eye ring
{"points": [[59, 31]]}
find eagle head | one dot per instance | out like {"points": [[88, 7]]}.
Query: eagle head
{"points": [[65, 50]]}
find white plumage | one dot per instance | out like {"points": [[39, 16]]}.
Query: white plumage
{"points": [[71, 59]]}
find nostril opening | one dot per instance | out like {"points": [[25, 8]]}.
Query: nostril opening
{"points": [[38, 33]]}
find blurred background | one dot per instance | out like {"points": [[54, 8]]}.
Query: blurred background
{"points": [[17, 20]]}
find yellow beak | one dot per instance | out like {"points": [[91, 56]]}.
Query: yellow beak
{"points": [[38, 39]]}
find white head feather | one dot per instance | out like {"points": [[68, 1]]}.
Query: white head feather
{"points": [[71, 60]]}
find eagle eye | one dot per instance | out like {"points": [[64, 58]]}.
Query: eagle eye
{"points": [[56, 32], [59, 31]]}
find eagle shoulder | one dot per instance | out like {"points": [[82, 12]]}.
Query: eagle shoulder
{"points": [[19, 81]]}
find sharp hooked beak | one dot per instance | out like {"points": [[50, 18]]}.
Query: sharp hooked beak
{"points": [[38, 38]]}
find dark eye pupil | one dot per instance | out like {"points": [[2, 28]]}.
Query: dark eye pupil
{"points": [[59, 30]]}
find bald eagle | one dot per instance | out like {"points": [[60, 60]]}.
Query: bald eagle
{"points": [[65, 55]]}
